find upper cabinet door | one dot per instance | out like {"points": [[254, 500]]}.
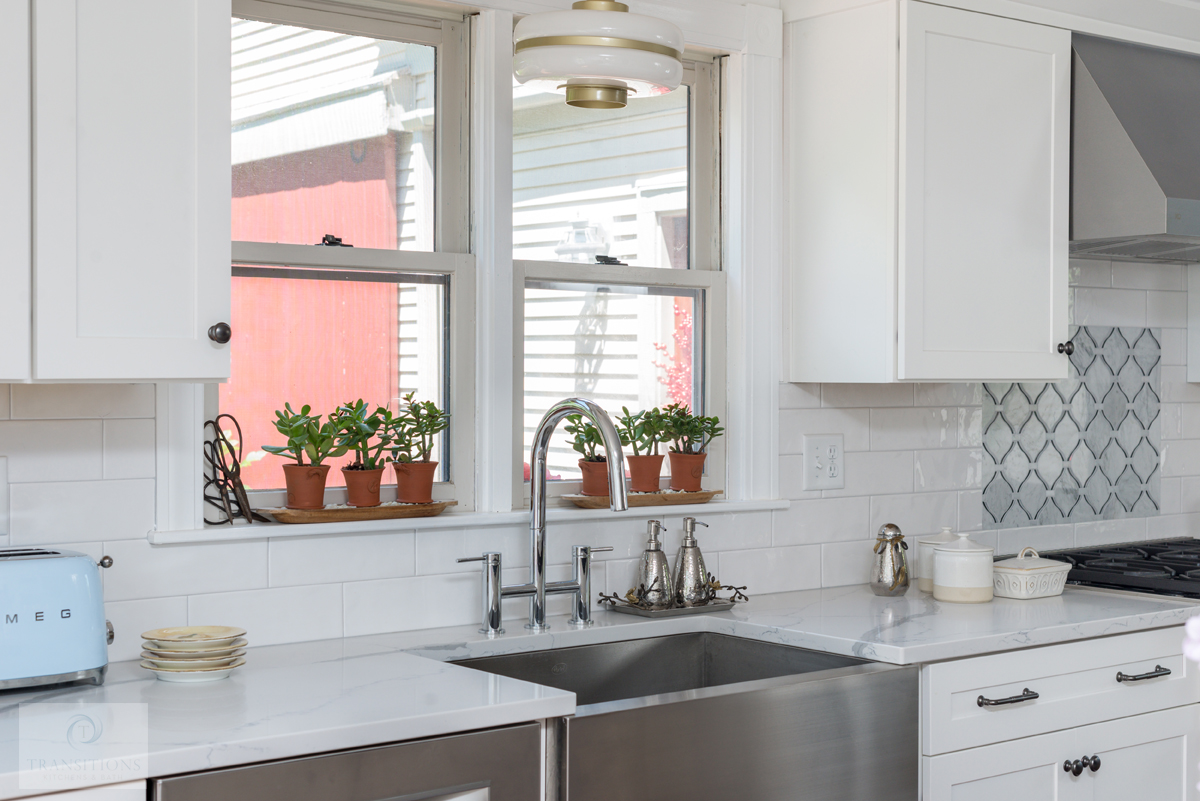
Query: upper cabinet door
{"points": [[15, 194], [984, 177], [132, 176]]}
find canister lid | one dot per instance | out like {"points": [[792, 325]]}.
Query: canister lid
{"points": [[1026, 563], [947, 535], [961, 544]]}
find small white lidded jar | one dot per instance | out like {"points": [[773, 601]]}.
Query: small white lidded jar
{"points": [[925, 557], [962, 571], [1030, 577]]}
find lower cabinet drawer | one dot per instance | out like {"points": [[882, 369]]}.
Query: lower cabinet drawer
{"points": [[1075, 684], [1150, 757]]}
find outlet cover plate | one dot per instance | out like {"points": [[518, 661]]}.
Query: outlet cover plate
{"points": [[824, 462]]}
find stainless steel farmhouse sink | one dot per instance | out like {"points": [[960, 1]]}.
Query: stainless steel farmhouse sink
{"points": [[705, 715]]}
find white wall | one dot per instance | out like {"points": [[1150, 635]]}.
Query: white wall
{"points": [[80, 473]]}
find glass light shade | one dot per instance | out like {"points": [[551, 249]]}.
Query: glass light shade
{"points": [[612, 50]]}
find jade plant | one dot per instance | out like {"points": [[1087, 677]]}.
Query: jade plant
{"points": [[306, 436], [690, 433], [367, 434], [585, 438], [414, 428], [642, 431]]}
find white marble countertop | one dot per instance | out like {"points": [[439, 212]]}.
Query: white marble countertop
{"points": [[305, 698]]}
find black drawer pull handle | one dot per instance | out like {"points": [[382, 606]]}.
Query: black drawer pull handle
{"points": [[1158, 672], [1026, 695]]}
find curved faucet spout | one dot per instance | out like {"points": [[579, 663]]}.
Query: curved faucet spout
{"points": [[618, 499]]}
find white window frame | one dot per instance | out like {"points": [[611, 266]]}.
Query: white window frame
{"points": [[701, 75], [450, 258]]}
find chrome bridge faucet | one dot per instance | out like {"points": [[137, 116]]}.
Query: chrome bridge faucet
{"points": [[580, 584]]}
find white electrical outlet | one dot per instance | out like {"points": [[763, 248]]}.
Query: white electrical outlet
{"points": [[824, 462]]}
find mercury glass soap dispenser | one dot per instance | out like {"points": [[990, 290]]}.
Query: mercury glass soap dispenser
{"points": [[691, 579], [654, 573]]}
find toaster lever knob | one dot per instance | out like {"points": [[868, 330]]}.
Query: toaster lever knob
{"points": [[105, 561], [111, 635]]}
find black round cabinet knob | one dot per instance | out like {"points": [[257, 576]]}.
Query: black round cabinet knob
{"points": [[1066, 347], [221, 334]]}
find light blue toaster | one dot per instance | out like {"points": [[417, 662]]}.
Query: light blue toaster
{"points": [[52, 626]]}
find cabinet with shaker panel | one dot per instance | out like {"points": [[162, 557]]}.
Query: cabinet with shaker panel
{"points": [[123, 192], [927, 157]]}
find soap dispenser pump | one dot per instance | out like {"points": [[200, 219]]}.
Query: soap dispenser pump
{"points": [[691, 579], [654, 573]]}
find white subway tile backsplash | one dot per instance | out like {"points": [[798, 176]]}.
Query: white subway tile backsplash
{"points": [[1170, 503], [1172, 526], [1174, 346], [876, 473], [356, 557], [420, 602], [62, 450], [1091, 272], [917, 514], [950, 394], [65, 401], [437, 551], [970, 510], [769, 570], [799, 396], [853, 424], [970, 427], [1170, 420], [1106, 532], [131, 618], [913, 429], [129, 448], [1189, 423], [1041, 538], [826, 520], [1181, 457], [1166, 309], [866, 396], [1189, 494], [270, 617], [1175, 386], [1149, 275], [845, 563], [142, 570], [80, 511], [959, 469], [1109, 307], [724, 533]]}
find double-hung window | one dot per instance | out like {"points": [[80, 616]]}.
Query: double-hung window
{"points": [[351, 272], [616, 248]]}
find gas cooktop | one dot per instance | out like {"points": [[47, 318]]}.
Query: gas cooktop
{"points": [[1162, 567]]}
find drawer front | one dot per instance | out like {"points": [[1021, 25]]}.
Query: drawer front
{"points": [[1076, 684]]}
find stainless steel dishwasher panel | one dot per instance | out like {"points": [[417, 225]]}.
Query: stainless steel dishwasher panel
{"points": [[506, 761], [845, 734]]}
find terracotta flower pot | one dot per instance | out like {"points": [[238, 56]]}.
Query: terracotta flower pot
{"points": [[414, 481], [305, 485], [595, 478], [644, 472], [362, 486], [686, 471]]}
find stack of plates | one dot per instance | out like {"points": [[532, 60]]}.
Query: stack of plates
{"points": [[193, 653]]}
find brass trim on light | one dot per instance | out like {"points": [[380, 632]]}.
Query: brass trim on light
{"points": [[583, 95], [598, 41], [599, 5]]}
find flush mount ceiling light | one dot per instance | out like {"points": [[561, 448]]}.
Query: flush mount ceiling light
{"points": [[598, 53]]}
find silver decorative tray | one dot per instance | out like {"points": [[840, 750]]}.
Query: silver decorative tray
{"points": [[715, 606]]}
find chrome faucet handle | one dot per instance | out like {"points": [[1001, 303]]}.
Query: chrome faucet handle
{"points": [[491, 590], [581, 557], [602, 549], [472, 559]]}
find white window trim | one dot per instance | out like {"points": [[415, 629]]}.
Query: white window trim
{"points": [[752, 202]]}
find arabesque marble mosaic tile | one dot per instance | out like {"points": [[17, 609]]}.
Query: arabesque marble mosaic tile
{"points": [[1086, 448]]}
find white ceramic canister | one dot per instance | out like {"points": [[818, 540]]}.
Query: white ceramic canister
{"points": [[925, 557], [962, 571], [1029, 576]]}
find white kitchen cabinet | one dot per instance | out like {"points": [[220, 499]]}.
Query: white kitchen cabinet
{"points": [[928, 175], [1147, 756], [131, 218], [15, 194]]}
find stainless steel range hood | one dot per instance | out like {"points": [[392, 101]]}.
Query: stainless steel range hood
{"points": [[1135, 161]]}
